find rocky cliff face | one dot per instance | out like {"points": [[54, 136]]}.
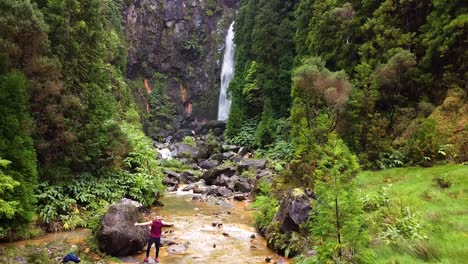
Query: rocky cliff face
{"points": [[178, 44]]}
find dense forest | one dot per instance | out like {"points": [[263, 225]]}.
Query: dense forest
{"points": [[71, 138], [327, 88], [322, 89]]}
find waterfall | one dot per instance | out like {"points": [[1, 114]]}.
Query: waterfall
{"points": [[227, 72]]}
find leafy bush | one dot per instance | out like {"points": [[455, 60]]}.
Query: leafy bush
{"points": [[424, 144], [393, 159], [246, 136], [406, 227], [266, 205]]}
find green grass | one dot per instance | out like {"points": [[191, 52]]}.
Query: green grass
{"points": [[442, 213]]}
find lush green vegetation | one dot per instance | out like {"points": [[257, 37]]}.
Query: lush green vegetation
{"points": [[417, 215], [323, 89], [68, 116], [384, 80]]}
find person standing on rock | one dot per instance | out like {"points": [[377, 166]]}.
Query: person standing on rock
{"points": [[155, 235]]}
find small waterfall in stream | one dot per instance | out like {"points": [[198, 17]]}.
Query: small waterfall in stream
{"points": [[227, 72]]}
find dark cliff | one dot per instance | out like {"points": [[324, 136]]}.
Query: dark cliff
{"points": [[178, 44]]}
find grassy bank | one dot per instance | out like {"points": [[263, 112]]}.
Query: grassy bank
{"points": [[439, 211]]}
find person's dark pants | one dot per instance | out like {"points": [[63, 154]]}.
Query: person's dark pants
{"points": [[156, 241]]}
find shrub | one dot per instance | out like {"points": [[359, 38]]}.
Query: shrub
{"points": [[442, 181]]}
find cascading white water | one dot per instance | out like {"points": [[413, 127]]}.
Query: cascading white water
{"points": [[227, 72]]}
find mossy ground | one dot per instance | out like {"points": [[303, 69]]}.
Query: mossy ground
{"points": [[443, 213]]}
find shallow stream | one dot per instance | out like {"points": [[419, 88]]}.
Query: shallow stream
{"points": [[221, 233]]}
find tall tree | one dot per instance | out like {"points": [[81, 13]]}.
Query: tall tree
{"points": [[16, 146]]}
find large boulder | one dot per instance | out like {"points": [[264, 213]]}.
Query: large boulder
{"points": [[211, 175], [182, 150], [293, 211], [117, 234]]}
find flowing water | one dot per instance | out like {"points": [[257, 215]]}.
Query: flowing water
{"points": [[227, 72], [215, 233], [198, 223]]}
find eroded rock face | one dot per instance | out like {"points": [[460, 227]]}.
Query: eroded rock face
{"points": [[182, 40], [117, 235]]}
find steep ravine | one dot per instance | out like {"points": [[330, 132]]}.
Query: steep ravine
{"points": [[179, 44]]}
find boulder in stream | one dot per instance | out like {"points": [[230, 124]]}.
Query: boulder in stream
{"points": [[117, 234]]}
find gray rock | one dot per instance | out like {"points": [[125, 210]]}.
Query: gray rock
{"points": [[258, 164], [208, 164], [293, 211], [138, 205], [219, 191], [239, 197], [117, 234], [189, 187], [236, 158], [187, 177], [222, 180], [218, 157], [233, 148], [243, 187], [178, 248], [228, 155], [211, 175], [200, 189], [182, 150]]}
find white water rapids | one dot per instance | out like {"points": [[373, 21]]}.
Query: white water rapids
{"points": [[227, 72]]}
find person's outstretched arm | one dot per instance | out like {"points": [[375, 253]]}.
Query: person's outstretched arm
{"points": [[143, 224]]}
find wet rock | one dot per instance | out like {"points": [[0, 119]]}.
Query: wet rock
{"points": [[243, 187], [187, 177], [197, 197], [293, 211], [208, 164], [239, 197], [171, 189], [200, 189], [222, 180], [219, 191], [172, 174], [178, 248], [211, 175], [189, 187], [117, 235], [138, 205], [169, 181]]}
